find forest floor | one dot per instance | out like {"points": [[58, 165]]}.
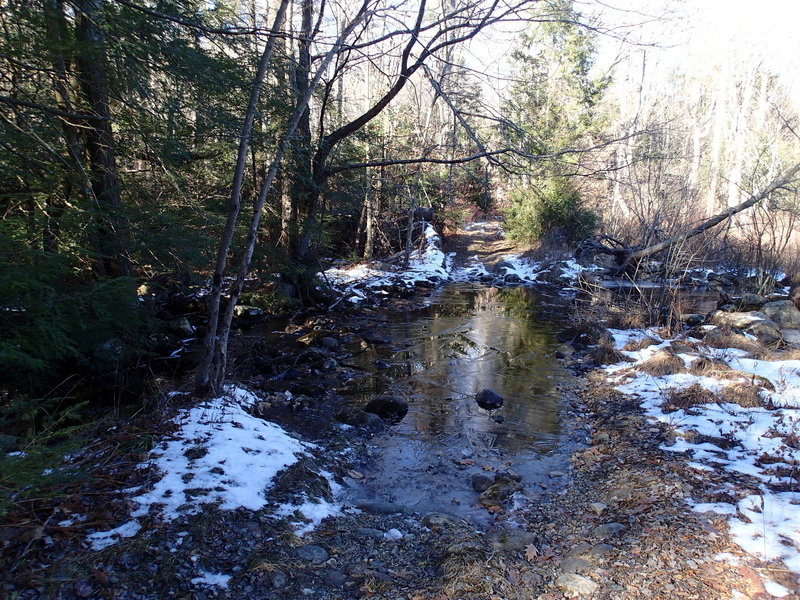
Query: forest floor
{"points": [[614, 525]]}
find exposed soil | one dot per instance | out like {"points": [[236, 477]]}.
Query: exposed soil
{"points": [[484, 241], [612, 525]]}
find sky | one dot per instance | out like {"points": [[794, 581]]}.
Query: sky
{"points": [[676, 33]]}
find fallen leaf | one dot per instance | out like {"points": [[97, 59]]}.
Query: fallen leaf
{"points": [[355, 474], [531, 552], [465, 462]]}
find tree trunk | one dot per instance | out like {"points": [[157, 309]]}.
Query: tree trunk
{"points": [[205, 377], [632, 258], [212, 370], [111, 237]]}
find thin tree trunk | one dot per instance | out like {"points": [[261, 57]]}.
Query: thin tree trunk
{"points": [[204, 376], [211, 374]]}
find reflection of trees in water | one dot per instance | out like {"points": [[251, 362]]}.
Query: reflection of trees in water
{"points": [[488, 338]]}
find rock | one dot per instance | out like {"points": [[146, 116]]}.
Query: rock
{"points": [[555, 474], [750, 301], [440, 521], [719, 338], [329, 343], [608, 530], [598, 507], [278, 579], [767, 332], [693, 319], [783, 312], [242, 311], [600, 550], [499, 492], [313, 554], [489, 400], [329, 364], [181, 326], [512, 278], [755, 323], [390, 408], [334, 578], [358, 418], [462, 548], [481, 482], [576, 585], [573, 564], [370, 532], [510, 539], [381, 364], [393, 534]]}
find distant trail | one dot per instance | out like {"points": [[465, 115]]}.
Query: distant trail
{"points": [[483, 240]]}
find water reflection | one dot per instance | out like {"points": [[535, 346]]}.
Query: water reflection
{"points": [[469, 339]]}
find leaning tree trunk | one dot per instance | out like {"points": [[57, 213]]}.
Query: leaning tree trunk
{"points": [[205, 377], [211, 373], [629, 259]]}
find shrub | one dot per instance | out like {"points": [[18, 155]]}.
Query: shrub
{"points": [[552, 213]]}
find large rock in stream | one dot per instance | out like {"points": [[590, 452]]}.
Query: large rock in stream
{"points": [[389, 408]]}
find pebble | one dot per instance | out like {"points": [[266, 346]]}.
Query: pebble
{"points": [[312, 553], [598, 507], [393, 534], [278, 579], [554, 474], [577, 585], [608, 530]]}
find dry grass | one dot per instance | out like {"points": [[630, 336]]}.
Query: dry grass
{"points": [[724, 337], [663, 362], [710, 367], [744, 394], [607, 355], [640, 344], [683, 398]]}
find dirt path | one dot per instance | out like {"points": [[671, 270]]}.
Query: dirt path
{"points": [[482, 240]]}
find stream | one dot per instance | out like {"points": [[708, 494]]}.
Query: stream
{"points": [[467, 338]]}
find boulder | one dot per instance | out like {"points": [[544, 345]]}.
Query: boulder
{"points": [[358, 418], [750, 301], [755, 323], [489, 400], [390, 408], [783, 312]]}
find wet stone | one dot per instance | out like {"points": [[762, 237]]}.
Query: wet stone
{"points": [[313, 554], [439, 521]]}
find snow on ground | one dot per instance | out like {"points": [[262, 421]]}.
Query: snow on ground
{"points": [[220, 454], [432, 265], [761, 443]]}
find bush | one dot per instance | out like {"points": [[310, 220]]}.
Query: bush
{"points": [[552, 213], [56, 322]]}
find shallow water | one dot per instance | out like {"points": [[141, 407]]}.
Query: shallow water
{"points": [[467, 339]]}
